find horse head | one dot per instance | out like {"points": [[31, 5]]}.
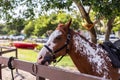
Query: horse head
{"points": [[57, 44]]}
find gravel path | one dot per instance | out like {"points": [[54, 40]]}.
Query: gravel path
{"points": [[21, 75], [6, 74]]}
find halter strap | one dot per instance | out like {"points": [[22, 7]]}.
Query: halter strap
{"points": [[56, 50], [48, 48]]}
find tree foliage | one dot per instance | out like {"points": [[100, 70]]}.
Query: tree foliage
{"points": [[29, 28], [9, 8], [108, 9], [49, 22], [18, 8], [3, 29], [116, 26], [60, 4], [16, 26]]}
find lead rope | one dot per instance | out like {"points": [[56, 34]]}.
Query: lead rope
{"points": [[55, 62], [10, 66]]}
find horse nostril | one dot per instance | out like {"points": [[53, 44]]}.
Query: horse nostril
{"points": [[40, 57], [43, 62]]}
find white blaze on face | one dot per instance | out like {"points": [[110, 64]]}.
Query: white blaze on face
{"points": [[50, 43]]}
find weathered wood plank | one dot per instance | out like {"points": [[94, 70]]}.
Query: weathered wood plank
{"points": [[51, 73], [7, 51], [5, 47]]}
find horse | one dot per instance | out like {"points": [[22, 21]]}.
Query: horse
{"points": [[89, 58]]}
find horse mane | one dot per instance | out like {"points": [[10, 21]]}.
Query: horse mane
{"points": [[83, 37]]}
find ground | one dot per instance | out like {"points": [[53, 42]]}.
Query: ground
{"points": [[6, 74]]}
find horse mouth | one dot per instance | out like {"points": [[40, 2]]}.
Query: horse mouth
{"points": [[43, 61]]}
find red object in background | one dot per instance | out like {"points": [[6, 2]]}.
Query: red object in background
{"points": [[24, 45]]}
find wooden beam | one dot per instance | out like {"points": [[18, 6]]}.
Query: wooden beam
{"points": [[7, 51], [5, 47]]}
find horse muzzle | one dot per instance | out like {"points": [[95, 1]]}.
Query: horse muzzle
{"points": [[46, 60]]}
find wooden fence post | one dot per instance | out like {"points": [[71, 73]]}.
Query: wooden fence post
{"points": [[0, 72], [0, 65], [16, 55], [16, 52]]}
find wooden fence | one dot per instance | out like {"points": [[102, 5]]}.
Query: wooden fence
{"points": [[4, 50], [48, 72]]}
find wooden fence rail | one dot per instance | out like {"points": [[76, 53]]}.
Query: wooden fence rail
{"points": [[48, 72], [8, 49]]}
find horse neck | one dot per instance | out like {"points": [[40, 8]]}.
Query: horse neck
{"points": [[86, 55]]}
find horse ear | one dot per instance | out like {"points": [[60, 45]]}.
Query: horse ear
{"points": [[64, 27], [68, 23]]}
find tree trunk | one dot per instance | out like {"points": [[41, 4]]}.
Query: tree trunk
{"points": [[86, 16], [109, 28]]}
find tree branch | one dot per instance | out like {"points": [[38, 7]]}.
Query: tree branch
{"points": [[81, 8], [95, 22], [89, 9], [86, 16]]}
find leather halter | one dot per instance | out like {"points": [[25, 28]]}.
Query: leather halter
{"points": [[53, 53]]}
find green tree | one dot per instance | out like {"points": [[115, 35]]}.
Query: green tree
{"points": [[108, 9], [29, 28], [3, 29], [10, 9], [16, 25], [49, 22], [103, 8], [116, 26]]}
